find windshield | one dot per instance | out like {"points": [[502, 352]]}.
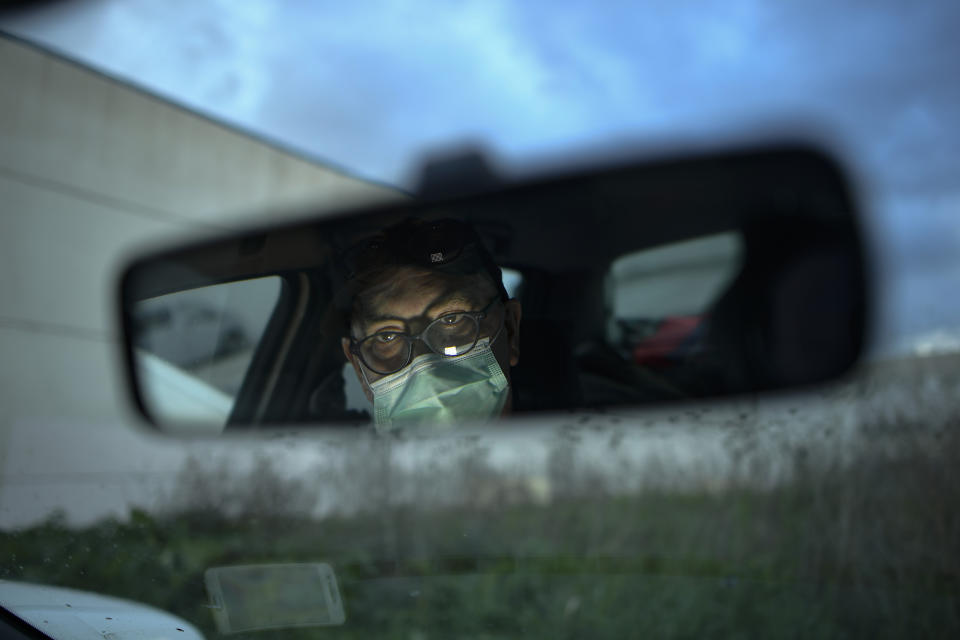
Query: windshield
{"points": [[127, 126]]}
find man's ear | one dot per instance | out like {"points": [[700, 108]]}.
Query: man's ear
{"points": [[352, 359], [512, 324]]}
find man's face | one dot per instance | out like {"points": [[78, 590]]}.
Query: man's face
{"points": [[410, 298]]}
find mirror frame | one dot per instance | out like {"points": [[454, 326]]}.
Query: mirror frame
{"points": [[750, 184]]}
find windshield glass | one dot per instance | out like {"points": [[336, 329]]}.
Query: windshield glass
{"points": [[127, 126]]}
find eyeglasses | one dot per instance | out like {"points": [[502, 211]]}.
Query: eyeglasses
{"points": [[449, 335]]}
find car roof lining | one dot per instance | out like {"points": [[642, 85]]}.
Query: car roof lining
{"points": [[578, 223]]}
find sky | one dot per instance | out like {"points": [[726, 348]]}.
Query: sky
{"points": [[372, 87]]}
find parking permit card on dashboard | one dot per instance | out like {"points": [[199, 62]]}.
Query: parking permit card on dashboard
{"points": [[273, 596]]}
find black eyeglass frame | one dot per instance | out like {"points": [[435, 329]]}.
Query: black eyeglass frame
{"points": [[476, 316]]}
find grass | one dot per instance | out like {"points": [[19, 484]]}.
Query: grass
{"points": [[869, 549]]}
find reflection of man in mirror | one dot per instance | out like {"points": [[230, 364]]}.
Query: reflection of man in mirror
{"points": [[432, 331]]}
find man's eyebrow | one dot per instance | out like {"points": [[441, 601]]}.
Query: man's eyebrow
{"points": [[383, 318], [457, 296], [442, 299]]}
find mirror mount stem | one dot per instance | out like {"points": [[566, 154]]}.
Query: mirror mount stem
{"points": [[459, 174]]}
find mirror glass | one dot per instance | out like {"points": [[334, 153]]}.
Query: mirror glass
{"points": [[615, 288]]}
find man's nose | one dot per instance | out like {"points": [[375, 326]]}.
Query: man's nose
{"points": [[419, 348]]}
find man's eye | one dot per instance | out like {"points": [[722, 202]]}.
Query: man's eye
{"points": [[386, 337], [452, 319]]}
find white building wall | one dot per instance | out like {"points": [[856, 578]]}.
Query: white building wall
{"points": [[91, 170]]}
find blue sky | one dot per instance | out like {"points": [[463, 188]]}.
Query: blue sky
{"points": [[372, 86]]}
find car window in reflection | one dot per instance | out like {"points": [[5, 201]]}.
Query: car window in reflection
{"points": [[194, 347]]}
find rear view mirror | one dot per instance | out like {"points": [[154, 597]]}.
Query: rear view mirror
{"points": [[642, 283]]}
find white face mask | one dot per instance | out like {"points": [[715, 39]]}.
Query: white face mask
{"points": [[439, 390]]}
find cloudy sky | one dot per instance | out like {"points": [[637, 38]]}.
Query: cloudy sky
{"points": [[372, 89]]}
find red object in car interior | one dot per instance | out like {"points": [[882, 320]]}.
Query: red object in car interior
{"points": [[668, 342]]}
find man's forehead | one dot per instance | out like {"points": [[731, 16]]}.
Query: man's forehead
{"points": [[412, 292]]}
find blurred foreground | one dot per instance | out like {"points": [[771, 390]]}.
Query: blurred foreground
{"points": [[862, 543]]}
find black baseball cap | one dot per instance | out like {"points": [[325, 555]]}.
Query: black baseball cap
{"points": [[448, 246]]}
